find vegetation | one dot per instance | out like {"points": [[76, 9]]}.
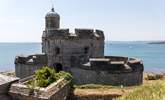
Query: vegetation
{"points": [[154, 91], [153, 88], [152, 76], [46, 75]]}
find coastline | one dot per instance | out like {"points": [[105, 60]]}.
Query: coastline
{"points": [[138, 49]]}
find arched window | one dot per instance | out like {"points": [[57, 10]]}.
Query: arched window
{"points": [[57, 50]]}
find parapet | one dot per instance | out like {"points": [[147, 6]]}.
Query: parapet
{"points": [[89, 33], [26, 65], [84, 33], [56, 32], [112, 70], [79, 33], [100, 33], [31, 59], [115, 64]]}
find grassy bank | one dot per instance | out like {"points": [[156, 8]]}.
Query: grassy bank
{"points": [[153, 88], [153, 91]]}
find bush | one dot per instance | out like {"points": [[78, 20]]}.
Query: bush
{"points": [[46, 75], [152, 76], [63, 74]]}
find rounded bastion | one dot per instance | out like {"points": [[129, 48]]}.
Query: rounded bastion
{"points": [[110, 70]]}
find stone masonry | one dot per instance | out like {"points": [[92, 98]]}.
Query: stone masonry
{"points": [[61, 46], [110, 70], [5, 82], [26, 66]]}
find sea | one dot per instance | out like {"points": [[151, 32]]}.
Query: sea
{"points": [[152, 55]]}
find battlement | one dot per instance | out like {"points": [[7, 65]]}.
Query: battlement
{"points": [[113, 70], [31, 59], [115, 64], [79, 32], [26, 65], [83, 33], [56, 32], [100, 33]]}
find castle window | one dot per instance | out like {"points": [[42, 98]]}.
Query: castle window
{"points": [[57, 50], [86, 50], [48, 43]]}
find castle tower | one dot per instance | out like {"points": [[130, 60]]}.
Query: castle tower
{"points": [[52, 20], [68, 49], [49, 45]]}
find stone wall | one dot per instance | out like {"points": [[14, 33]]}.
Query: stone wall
{"points": [[5, 82], [105, 71], [26, 66], [82, 76], [59, 90], [77, 47], [25, 70]]}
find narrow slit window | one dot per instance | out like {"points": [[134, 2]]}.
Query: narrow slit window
{"points": [[57, 50], [86, 50]]}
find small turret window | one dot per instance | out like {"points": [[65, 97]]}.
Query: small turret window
{"points": [[86, 50], [57, 50]]}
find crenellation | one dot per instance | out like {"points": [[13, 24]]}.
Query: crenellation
{"points": [[56, 33], [84, 33], [31, 59], [27, 65], [78, 34], [100, 33]]}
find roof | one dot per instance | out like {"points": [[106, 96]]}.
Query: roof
{"points": [[52, 13]]}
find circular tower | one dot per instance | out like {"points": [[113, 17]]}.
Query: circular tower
{"points": [[52, 20], [49, 44]]}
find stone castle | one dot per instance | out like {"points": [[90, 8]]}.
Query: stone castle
{"points": [[69, 49], [80, 53]]}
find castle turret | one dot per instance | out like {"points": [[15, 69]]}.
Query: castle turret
{"points": [[52, 20]]}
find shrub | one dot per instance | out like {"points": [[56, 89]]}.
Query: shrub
{"points": [[46, 75], [152, 76], [63, 74]]}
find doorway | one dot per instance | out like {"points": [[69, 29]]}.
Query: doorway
{"points": [[58, 67]]}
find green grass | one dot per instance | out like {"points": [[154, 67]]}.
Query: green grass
{"points": [[155, 91]]}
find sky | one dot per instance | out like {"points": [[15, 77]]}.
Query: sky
{"points": [[121, 20]]}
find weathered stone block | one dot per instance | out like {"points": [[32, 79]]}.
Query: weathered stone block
{"points": [[5, 82], [56, 91]]}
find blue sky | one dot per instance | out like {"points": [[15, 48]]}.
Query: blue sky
{"points": [[121, 20]]}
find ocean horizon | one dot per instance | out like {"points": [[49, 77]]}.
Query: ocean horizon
{"points": [[152, 55]]}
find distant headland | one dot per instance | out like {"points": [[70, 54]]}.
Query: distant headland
{"points": [[157, 42]]}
